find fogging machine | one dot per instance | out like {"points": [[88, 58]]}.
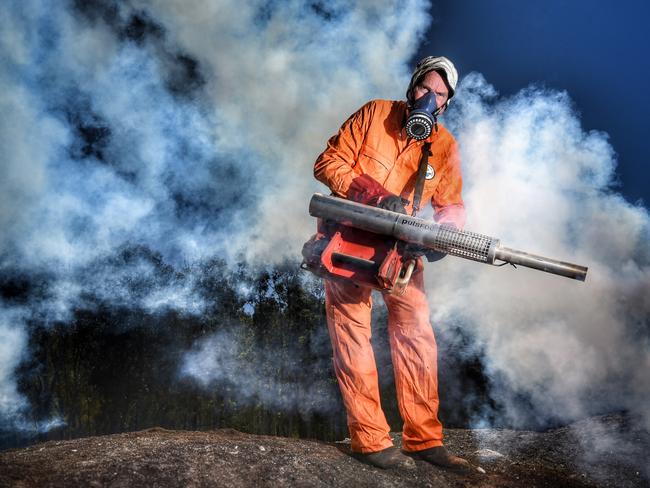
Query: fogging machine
{"points": [[370, 246]]}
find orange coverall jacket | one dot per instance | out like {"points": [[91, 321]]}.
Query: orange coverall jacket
{"points": [[372, 142]]}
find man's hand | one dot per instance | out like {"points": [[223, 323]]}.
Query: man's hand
{"points": [[365, 189], [393, 203], [413, 251]]}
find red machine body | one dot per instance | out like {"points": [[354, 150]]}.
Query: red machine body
{"points": [[339, 252]]}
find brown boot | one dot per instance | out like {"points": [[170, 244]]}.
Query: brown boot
{"points": [[388, 458], [441, 457]]}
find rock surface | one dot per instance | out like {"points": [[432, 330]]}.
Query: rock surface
{"points": [[605, 451]]}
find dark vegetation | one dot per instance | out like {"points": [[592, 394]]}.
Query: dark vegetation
{"points": [[115, 369]]}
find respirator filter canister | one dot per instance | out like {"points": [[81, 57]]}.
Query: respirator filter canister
{"points": [[422, 118]]}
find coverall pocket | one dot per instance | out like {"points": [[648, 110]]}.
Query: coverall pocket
{"points": [[375, 164]]}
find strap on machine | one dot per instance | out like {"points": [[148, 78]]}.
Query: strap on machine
{"points": [[419, 181]]}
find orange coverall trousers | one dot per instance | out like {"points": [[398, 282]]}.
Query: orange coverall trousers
{"points": [[414, 356]]}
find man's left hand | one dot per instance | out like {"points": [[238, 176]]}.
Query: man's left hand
{"points": [[414, 251], [393, 203]]}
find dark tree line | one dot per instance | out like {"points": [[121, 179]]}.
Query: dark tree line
{"points": [[117, 369]]}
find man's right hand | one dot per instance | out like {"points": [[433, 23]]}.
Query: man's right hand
{"points": [[365, 189], [392, 203]]}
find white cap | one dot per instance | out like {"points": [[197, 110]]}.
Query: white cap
{"points": [[434, 63]]}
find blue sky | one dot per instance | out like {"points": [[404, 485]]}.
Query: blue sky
{"points": [[597, 51]]}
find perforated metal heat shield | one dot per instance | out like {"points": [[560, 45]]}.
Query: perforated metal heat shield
{"points": [[464, 244]]}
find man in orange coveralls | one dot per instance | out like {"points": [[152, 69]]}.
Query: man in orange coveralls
{"points": [[372, 160]]}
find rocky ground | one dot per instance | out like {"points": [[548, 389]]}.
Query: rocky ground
{"points": [[606, 451]]}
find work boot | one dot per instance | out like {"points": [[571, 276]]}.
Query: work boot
{"points": [[388, 458], [441, 457]]}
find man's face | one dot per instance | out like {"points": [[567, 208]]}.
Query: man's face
{"points": [[432, 82]]}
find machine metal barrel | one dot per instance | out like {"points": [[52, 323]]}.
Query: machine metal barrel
{"points": [[450, 240], [561, 268]]}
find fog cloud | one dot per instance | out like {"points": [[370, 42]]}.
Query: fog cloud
{"points": [[139, 133], [135, 133], [542, 184]]}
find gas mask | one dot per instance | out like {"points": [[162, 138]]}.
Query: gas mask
{"points": [[423, 117]]}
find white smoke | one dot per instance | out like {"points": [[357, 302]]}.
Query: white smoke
{"points": [[536, 180], [12, 343], [189, 139], [251, 375], [221, 165], [282, 77]]}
